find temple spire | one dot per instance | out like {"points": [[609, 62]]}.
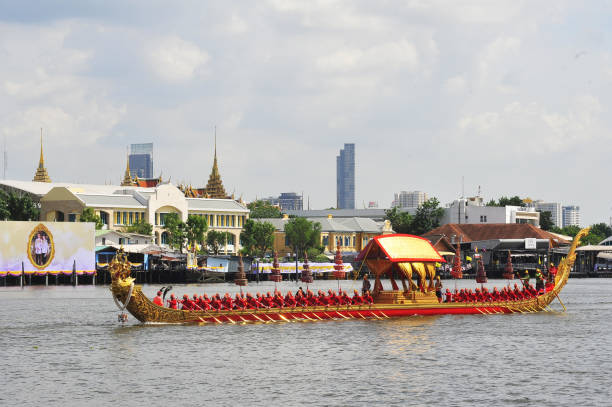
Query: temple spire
{"points": [[214, 188], [127, 177], [41, 174]]}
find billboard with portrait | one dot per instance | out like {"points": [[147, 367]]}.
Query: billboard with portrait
{"points": [[47, 248]]}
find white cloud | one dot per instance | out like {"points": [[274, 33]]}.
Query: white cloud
{"points": [[456, 84], [532, 129], [177, 60]]}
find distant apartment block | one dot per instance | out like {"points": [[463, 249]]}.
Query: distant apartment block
{"points": [[555, 211], [141, 160], [287, 201], [571, 215], [412, 199], [345, 178]]}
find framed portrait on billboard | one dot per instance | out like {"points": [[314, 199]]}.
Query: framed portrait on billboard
{"points": [[40, 248]]}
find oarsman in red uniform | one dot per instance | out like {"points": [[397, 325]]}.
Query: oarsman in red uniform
{"points": [[321, 298], [367, 298], [448, 295], [269, 300], [279, 301], [206, 302], [252, 302], [357, 299], [290, 300], [332, 298], [228, 303], [311, 300], [495, 294], [503, 295], [346, 300], [300, 299], [517, 293], [216, 302], [240, 302], [200, 303], [172, 303], [158, 299], [187, 304]]}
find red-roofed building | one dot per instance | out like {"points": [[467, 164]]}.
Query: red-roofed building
{"points": [[530, 246]]}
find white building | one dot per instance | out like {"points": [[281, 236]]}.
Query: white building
{"points": [[412, 199], [121, 206], [472, 210], [555, 211], [571, 215]]}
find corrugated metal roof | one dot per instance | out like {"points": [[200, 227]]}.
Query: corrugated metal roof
{"points": [[215, 205], [110, 201], [42, 188], [340, 225]]}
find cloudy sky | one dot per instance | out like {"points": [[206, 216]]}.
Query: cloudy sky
{"points": [[512, 95]]}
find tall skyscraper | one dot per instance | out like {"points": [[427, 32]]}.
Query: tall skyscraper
{"points": [[345, 177], [141, 160]]}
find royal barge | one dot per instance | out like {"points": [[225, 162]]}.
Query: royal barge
{"points": [[384, 255]]}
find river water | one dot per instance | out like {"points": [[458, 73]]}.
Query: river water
{"points": [[63, 346]]}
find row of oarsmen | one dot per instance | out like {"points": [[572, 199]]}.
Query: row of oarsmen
{"points": [[249, 301], [484, 295]]}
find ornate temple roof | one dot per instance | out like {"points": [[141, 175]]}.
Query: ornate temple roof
{"points": [[41, 172], [214, 187], [127, 177]]}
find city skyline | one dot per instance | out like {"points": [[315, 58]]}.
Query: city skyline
{"points": [[512, 96]]}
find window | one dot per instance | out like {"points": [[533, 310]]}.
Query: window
{"points": [[121, 240], [347, 241], [286, 240], [103, 240], [325, 240], [72, 217], [483, 218], [104, 218], [118, 220], [233, 220], [164, 238], [131, 218], [125, 218]]}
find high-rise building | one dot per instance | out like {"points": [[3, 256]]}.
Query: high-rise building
{"points": [[571, 215], [555, 211], [141, 160], [412, 199], [345, 177]]}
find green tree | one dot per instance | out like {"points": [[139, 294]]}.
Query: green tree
{"points": [[506, 201], [263, 209], [215, 240], [401, 222], [601, 229], [511, 201], [427, 216], [175, 228], [257, 237], [142, 227], [195, 230], [567, 230], [303, 234], [546, 222], [88, 215], [17, 207]]}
